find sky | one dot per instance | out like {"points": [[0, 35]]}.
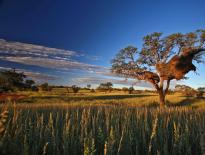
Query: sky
{"points": [[69, 42]]}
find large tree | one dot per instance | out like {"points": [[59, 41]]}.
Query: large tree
{"points": [[11, 80], [161, 59]]}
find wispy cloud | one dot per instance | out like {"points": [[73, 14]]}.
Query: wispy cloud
{"points": [[114, 80], [62, 61], [42, 56], [53, 63], [24, 49], [40, 77]]}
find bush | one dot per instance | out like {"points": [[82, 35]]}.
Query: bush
{"points": [[199, 94], [34, 88], [189, 93], [92, 90], [131, 89], [75, 89], [46, 87]]}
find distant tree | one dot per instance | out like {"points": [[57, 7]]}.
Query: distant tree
{"points": [[34, 88], [201, 89], [11, 80], [182, 88], [105, 86], [29, 83], [92, 90], [88, 86], [75, 88], [199, 94], [161, 59], [187, 91], [46, 87], [131, 89]]}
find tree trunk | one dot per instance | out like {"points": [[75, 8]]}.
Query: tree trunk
{"points": [[161, 98]]}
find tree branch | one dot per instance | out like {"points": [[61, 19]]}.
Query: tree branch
{"points": [[154, 84]]}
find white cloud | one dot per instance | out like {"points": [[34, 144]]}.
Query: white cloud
{"points": [[114, 80], [42, 56], [21, 49]]}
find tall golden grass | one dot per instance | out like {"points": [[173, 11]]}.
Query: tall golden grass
{"points": [[110, 129], [102, 124]]}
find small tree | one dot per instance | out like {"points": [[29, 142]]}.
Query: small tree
{"points": [[34, 88], [201, 89], [188, 91], [131, 89], [88, 86], [106, 86], [29, 84], [11, 80], [45, 86], [75, 88], [92, 90], [182, 88], [161, 59]]}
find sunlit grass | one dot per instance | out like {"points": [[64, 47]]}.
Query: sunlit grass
{"points": [[103, 123]]}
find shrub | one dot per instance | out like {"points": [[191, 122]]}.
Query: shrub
{"points": [[92, 90], [75, 89], [131, 89], [34, 88], [199, 94]]}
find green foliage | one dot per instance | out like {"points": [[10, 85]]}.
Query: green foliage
{"points": [[10, 80], [105, 86], [45, 87], [30, 83], [131, 89], [92, 90], [34, 88], [201, 89], [88, 86]]}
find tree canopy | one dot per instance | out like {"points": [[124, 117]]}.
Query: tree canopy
{"points": [[75, 88], [161, 58], [11, 80], [105, 86]]}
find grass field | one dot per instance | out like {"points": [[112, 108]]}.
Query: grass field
{"points": [[58, 122]]}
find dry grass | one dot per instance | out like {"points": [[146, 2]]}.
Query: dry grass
{"points": [[103, 124], [3, 120]]}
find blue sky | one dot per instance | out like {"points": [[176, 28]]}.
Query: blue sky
{"points": [[93, 30]]}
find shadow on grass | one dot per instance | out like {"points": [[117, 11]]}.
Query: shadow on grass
{"points": [[78, 98], [188, 101]]}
